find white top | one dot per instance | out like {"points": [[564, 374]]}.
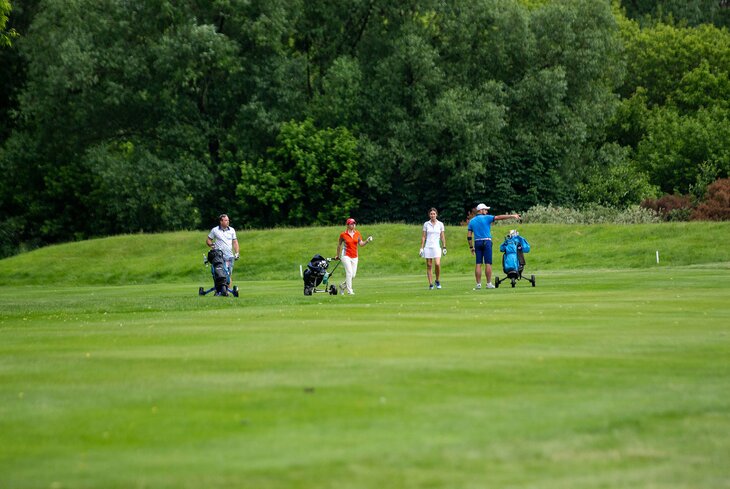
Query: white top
{"points": [[433, 233], [223, 239]]}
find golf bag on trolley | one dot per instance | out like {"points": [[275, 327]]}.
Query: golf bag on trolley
{"points": [[316, 274], [220, 275], [514, 248]]}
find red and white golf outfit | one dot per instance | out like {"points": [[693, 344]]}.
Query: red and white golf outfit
{"points": [[349, 256]]}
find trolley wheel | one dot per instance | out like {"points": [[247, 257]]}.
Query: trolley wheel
{"points": [[532, 279], [201, 291], [235, 291], [496, 283], [333, 290], [514, 282]]}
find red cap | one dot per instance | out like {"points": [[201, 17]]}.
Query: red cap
{"points": [[350, 221]]}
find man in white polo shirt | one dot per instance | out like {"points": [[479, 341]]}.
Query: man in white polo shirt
{"points": [[223, 237]]}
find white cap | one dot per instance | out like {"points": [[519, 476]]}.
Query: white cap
{"points": [[482, 207]]}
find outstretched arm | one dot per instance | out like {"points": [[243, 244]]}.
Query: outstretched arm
{"points": [[507, 216]]}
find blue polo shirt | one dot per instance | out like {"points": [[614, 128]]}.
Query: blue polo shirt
{"points": [[481, 226]]}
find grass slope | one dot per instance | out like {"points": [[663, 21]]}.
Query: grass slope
{"points": [[276, 254], [598, 377]]}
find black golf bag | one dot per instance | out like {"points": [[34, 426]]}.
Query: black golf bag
{"points": [[218, 268], [316, 274]]}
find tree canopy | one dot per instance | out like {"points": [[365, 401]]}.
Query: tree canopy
{"points": [[125, 116]]}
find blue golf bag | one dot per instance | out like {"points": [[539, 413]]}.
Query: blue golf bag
{"points": [[514, 248]]}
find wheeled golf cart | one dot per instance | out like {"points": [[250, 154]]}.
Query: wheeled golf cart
{"points": [[513, 260], [220, 275], [316, 275]]}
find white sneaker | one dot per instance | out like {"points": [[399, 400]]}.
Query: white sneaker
{"points": [[478, 287], [490, 285]]}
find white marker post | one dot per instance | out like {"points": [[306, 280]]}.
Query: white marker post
{"points": [[657, 257]]}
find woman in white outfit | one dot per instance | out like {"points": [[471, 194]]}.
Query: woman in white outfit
{"points": [[431, 250]]}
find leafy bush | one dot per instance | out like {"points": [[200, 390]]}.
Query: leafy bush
{"points": [[716, 206], [309, 177], [670, 207], [138, 190], [615, 182], [592, 214]]}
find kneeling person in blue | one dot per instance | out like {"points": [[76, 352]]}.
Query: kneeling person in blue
{"points": [[479, 237]]}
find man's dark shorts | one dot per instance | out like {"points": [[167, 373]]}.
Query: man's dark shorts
{"points": [[483, 251]]}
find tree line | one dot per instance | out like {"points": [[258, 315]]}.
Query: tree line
{"points": [[119, 116]]}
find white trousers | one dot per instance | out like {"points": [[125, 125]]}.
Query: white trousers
{"points": [[350, 265]]}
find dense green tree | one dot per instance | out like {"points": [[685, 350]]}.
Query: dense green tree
{"points": [[659, 58], [616, 181], [120, 116], [5, 35], [309, 177], [12, 64], [680, 150], [545, 74], [105, 73], [676, 112], [689, 12], [702, 87], [135, 190]]}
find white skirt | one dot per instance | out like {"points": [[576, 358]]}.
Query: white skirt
{"points": [[434, 252]]}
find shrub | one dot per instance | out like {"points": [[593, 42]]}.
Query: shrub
{"points": [[309, 177], [716, 206], [592, 214], [670, 207], [615, 181]]}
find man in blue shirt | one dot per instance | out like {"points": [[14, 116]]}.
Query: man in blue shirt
{"points": [[479, 237]]}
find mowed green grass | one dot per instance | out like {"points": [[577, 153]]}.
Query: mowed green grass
{"points": [[277, 254], [596, 378]]}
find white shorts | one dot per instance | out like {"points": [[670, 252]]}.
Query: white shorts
{"points": [[432, 252]]}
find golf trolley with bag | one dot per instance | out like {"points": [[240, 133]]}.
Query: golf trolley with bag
{"points": [[220, 275], [513, 260], [316, 275]]}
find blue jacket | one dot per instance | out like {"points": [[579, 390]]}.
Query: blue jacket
{"points": [[511, 262]]}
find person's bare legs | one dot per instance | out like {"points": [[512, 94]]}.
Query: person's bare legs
{"points": [[438, 269], [478, 273], [429, 273], [489, 273]]}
